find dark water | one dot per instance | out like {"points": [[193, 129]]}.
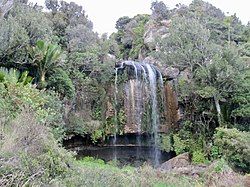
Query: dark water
{"points": [[127, 151], [125, 155]]}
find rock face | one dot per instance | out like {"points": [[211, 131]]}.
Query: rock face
{"points": [[214, 174], [132, 109], [154, 31], [169, 73], [172, 112]]}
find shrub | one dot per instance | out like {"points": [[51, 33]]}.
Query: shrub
{"points": [[61, 82], [198, 157], [234, 145], [29, 154], [180, 146], [166, 143]]}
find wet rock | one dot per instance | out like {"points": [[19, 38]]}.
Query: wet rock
{"points": [[109, 110], [132, 110], [152, 60], [172, 112], [169, 73]]}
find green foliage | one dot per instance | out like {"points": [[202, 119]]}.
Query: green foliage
{"points": [[45, 57], [94, 172], [96, 135], [187, 44], [21, 28], [242, 101], [18, 93], [167, 143], [130, 35], [198, 157], [200, 42], [159, 11], [220, 166], [180, 146], [233, 145], [35, 150], [61, 83], [189, 139], [91, 160], [13, 76]]}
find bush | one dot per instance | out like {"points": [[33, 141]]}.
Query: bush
{"points": [[166, 143], [180, 146], [61, 82], [29, 154], [234, 145], [198, 157]]}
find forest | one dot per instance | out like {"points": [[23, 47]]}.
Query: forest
{"points": [[61, 89]]}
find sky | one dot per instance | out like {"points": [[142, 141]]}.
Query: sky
{"points": [[105, 13]]}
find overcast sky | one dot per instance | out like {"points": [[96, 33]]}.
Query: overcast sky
{"points": [[104, 13]]}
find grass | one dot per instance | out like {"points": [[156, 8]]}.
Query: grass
{"points": [[95, 172]]}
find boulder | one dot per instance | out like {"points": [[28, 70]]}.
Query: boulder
{"points": [[222, 175], [180, 161], [185, 75], [181, 165], [171, 73], [216, 174]]}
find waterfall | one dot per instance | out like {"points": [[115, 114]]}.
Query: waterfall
{"points": [[115, 109], [141, 97], [154, 108]]}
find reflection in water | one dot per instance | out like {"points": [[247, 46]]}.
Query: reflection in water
{"points": [[127, 150], [125, 154]]}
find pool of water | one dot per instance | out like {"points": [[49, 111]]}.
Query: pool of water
{"points": [[125, 154]]}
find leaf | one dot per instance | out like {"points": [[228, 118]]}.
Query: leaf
{"points": [[207, 92]]}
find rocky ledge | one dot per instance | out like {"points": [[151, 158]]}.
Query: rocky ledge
{"points": [[214, 174]]}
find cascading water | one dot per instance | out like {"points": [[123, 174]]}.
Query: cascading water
{"points": [[116, 120], [141, 96], [154, 112]]}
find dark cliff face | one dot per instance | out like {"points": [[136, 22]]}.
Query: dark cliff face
{"points": [[171, 103]]}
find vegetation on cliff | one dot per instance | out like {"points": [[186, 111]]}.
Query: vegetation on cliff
{"points": [[57, 77]]}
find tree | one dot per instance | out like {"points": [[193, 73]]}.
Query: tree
{"points": [[60, 81], [45, 57], [159, 11], [52, 5], [219, 80], [187, 45], [130, 35], [20, 29], [121, 22]]}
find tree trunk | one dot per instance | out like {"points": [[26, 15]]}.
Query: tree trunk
{"points": [[42, 76], [218, 109], [229, 36]]}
